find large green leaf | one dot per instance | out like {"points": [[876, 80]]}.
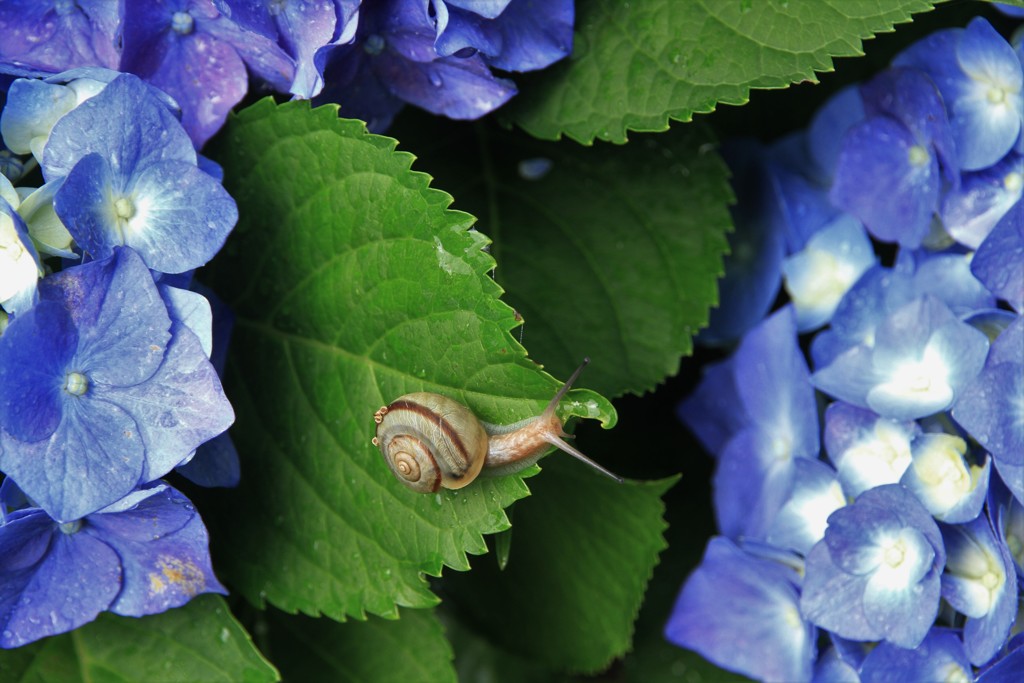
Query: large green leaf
{"points": [[352, 284], [198, 642], [583, 550], [411, 648], [639, 63], [609, 252]]}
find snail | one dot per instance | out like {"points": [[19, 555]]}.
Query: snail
{"points": [[431, 441]]}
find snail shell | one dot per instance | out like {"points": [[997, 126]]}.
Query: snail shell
{"points": [[430, 441]]}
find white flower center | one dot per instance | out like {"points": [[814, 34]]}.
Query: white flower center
{"points": [[76, 384], [918, 156], [1013, 181], [182, 23], [374, 44]]}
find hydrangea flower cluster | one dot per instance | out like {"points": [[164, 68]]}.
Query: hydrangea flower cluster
{"points": [[379, 54], [869, 488], [106, 382]]}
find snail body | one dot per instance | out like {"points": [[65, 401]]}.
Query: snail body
{"points": [[431, 441]]}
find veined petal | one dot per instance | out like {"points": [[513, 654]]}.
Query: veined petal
{"points": [[44, 594], [179, 408], [733, 597], [164, 552]]}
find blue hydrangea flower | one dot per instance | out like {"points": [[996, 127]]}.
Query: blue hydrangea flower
{"points": [[868, 450], [135, 185], [753, 267], [980, 79], [875, 574], [1007, 669], [34, 106], [56, 35], [832, 667], [99, 391], [393, 61], [881, 291], [799, 206], [920, 359], [950, 487], [947, 276], [307, 31], [215, 462], [825, 132], [903, 151], [20, 268], [141, 555], [197, 55], [984, 197], [1007, 515], [711, 410], [817, 277], [803, 517], [44, 227], [991, 407], [980, 582], [939, 657], [512, 35], [756, 467], [999, 261], [743, 613]]}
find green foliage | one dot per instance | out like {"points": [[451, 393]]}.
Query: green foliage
{"points": [[580, 243], [198, 642], [359, 286], [412, 648], [637, 64], [583, 550]]}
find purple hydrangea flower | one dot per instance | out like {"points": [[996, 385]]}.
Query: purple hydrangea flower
{"points": [[393, 61], [135, 185], [980, 79], [980, 582], [921, 357], [901, 151], [99, 391], [141, 555], [743, 613], [875, 574], [307, 31], [215, 463], [512, 35], [191, 51], [57, 35]]}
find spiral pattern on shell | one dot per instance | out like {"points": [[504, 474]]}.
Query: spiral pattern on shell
{"points": [[430, 441]]}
